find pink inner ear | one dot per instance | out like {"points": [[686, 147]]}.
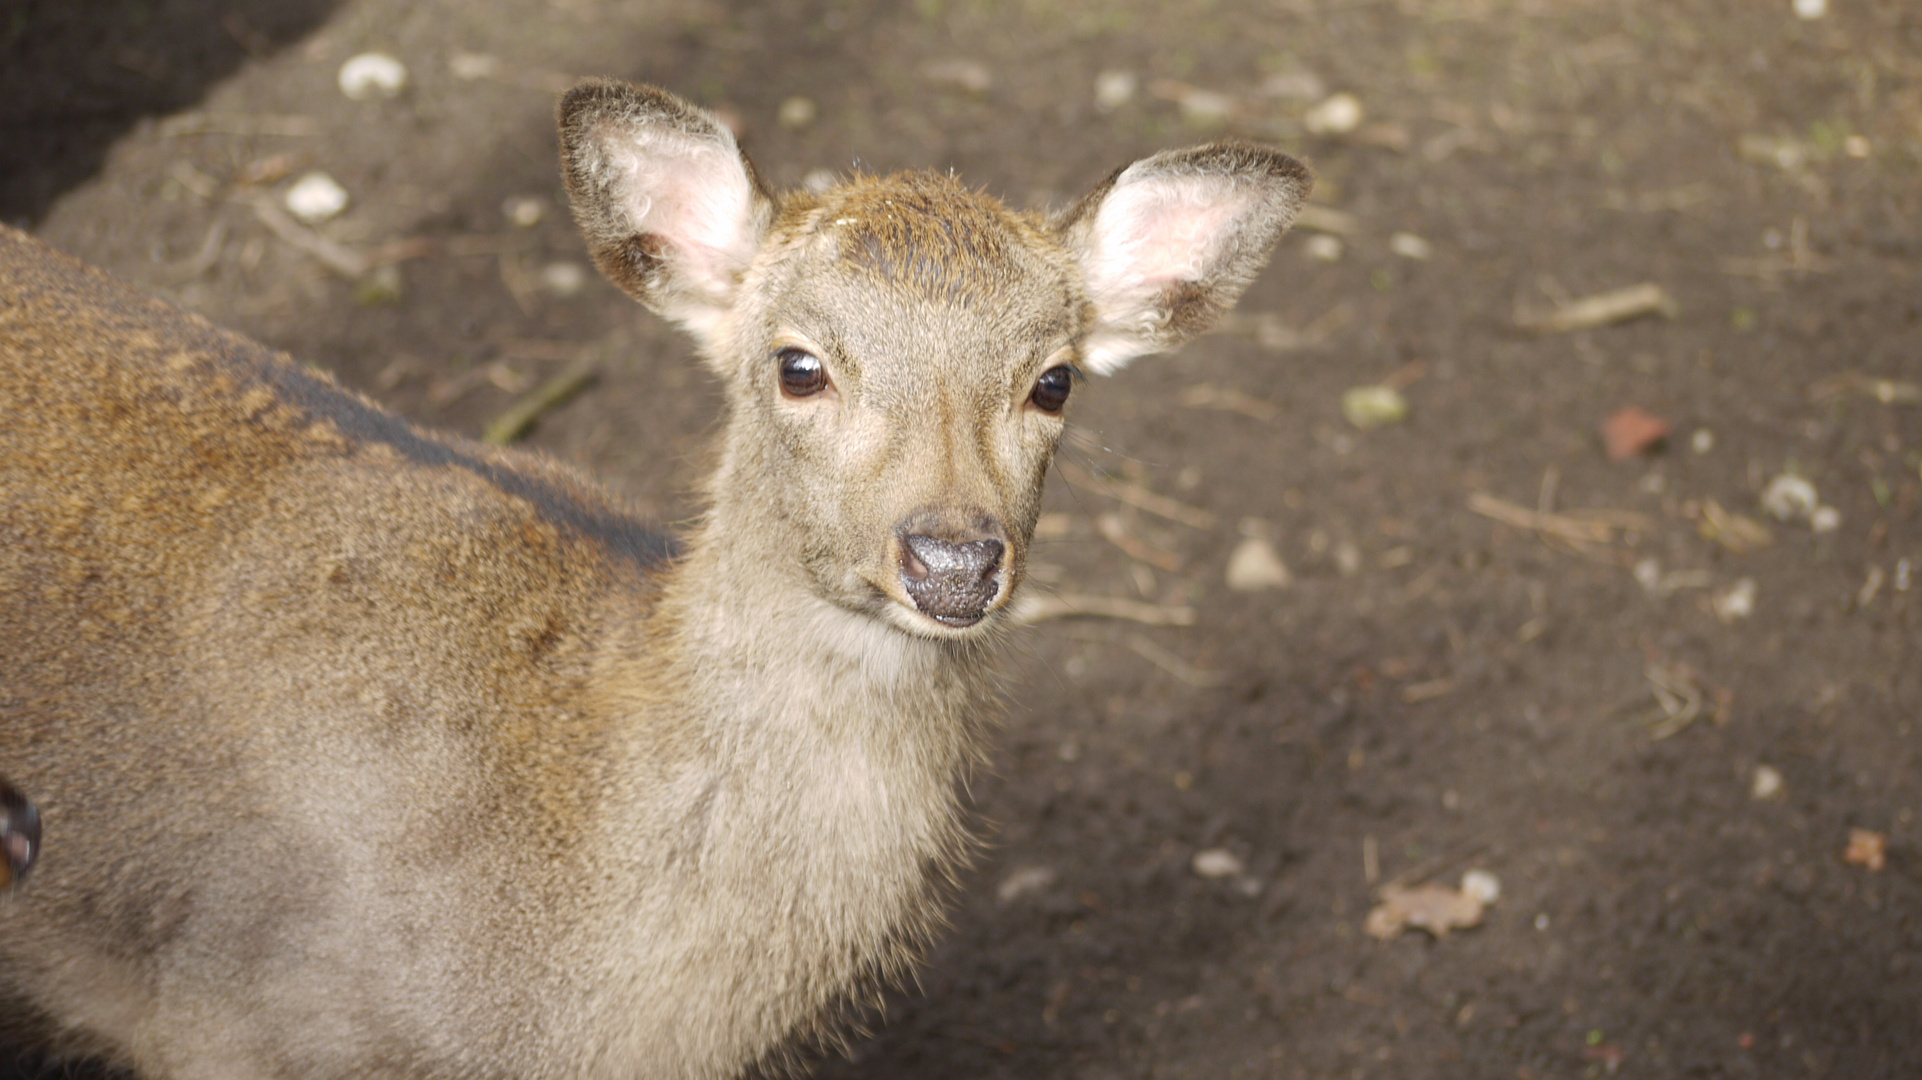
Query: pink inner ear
{"points": [[1156, 231], [694, 194]]}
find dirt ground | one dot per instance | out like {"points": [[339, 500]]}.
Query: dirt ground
{"points": [[1563, 688]]}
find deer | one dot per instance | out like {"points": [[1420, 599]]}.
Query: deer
{"points": [[365, 750]]}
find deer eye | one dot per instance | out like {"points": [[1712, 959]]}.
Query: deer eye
{"points": [[1051, 389], [802, 373]]}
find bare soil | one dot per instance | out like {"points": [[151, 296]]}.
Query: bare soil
{"points": [[1437, 690]]}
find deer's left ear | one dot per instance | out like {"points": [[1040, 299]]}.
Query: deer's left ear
{"points": [[1168, 244]]}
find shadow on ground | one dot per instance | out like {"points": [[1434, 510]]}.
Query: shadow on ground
{"points": [[75, 76]]}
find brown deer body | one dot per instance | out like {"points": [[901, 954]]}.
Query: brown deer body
{"points": [[364, 751]]}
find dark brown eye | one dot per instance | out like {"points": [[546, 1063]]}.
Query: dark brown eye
{"points": [[802, 373], [1051, 389]]}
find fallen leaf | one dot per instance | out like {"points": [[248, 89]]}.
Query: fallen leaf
{"points": [[1867, 849], [1372, 406], [1434, 908], [1630, 431]]}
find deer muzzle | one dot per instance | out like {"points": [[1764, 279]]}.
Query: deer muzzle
{"points": [[952, 582]]}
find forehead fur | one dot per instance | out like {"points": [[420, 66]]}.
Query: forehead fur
{"points": [[928, 232]]}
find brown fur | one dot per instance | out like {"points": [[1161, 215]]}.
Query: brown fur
{"points": [[367, 751]]}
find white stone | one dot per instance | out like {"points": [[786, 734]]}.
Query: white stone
{"points": [[372, 75], [524, 211], [1648, 574], [1324, 247], [1825, 519], [1737, 601], [1255, 566], [1113, 89], [1767, 783], [1790, 498], [1702, 441], [1338, 114], [316, 197], [1811, 9], [1482, 885], [1217, 863], [1410, 246], [564, 279], [796, 113]]}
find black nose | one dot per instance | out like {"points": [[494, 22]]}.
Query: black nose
{"points": [[951, 583], [19, 836]]}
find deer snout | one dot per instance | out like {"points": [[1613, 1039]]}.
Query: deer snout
{"points": [[952, 575]]}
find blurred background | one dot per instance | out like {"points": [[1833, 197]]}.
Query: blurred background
{"points": [[1532, 558]]}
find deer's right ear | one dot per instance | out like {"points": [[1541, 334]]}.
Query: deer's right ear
{"points": [[670, 207]]}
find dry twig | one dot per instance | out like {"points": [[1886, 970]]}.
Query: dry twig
{"points": [[1137, 496], [1602, 309], [547, 397], [1039, 607]]}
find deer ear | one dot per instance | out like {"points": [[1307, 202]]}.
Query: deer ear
{"points": [[670, 207], [1168, 243]]}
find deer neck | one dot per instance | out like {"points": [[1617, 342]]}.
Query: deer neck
{"points": [[795, 715]]}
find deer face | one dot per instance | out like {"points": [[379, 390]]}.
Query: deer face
{"points": [[899, 352]]}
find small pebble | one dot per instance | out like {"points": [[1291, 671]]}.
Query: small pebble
{"points": [[1482, 885], [1217, 863], [1736, 602], [1347, 559], [1767, 783], [1702, 441], [564, 279], [1811, 9], [1648, 574], [316, 197], [1790, 498], [524, 211], [1113, 89], [1825, 519], [796, 113], [1324, 247], [1255, 566], [1338, 114], [1410, 246], [372, 75]]}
